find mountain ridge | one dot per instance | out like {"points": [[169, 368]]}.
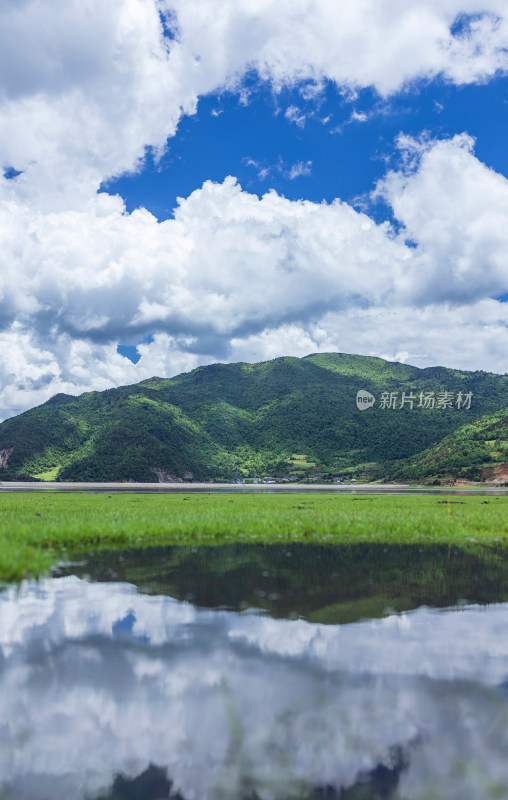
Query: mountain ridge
{"points": [[285, 416]]}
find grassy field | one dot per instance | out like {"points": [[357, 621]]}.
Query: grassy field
{"points": [[37, 529]]}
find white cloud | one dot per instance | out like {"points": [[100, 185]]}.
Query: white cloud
{"points": [[300, 168], [383, 43], [358, 116], [292, 171], [456, 209], [236, 277], [312, 91], [263, 170], [226, 261], [33, 369], [462, 337], [87, 87], [296, 115]]}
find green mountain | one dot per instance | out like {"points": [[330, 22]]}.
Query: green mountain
{"points": [[289, 416], [476, 450]]}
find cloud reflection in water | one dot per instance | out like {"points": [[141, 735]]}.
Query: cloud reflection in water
{"points": [[98, 680]]}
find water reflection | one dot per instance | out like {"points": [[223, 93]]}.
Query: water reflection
{"points": [[105, 690], [328, 584]]}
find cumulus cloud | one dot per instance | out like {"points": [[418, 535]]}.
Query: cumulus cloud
{"points": [[242, 277], [34, 368], [226, 261], [456, 209], [464, 337], [378, 43], [86, 88]]}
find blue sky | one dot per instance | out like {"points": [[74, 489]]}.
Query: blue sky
{"points": [[190, 181], [316, 148], [347, 144]]}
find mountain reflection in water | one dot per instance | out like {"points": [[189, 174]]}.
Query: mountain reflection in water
{"points": [[111, 693], [319, 583]]}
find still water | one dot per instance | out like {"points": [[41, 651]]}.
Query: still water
{"points": [[253, 672]]}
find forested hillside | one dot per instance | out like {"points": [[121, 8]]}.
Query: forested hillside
{"points": [[469, 452], [284, 417]]}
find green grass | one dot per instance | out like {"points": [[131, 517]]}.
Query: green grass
{"points": [[36, 529], [48, 475]]}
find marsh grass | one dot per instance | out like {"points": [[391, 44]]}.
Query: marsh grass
{"points": [[36, 529]]}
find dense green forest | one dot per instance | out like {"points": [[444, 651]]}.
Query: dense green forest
{"points": [[465, 453], [286, 417]]}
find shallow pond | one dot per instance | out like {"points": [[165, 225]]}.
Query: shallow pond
{"points": [[277, 672]]}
